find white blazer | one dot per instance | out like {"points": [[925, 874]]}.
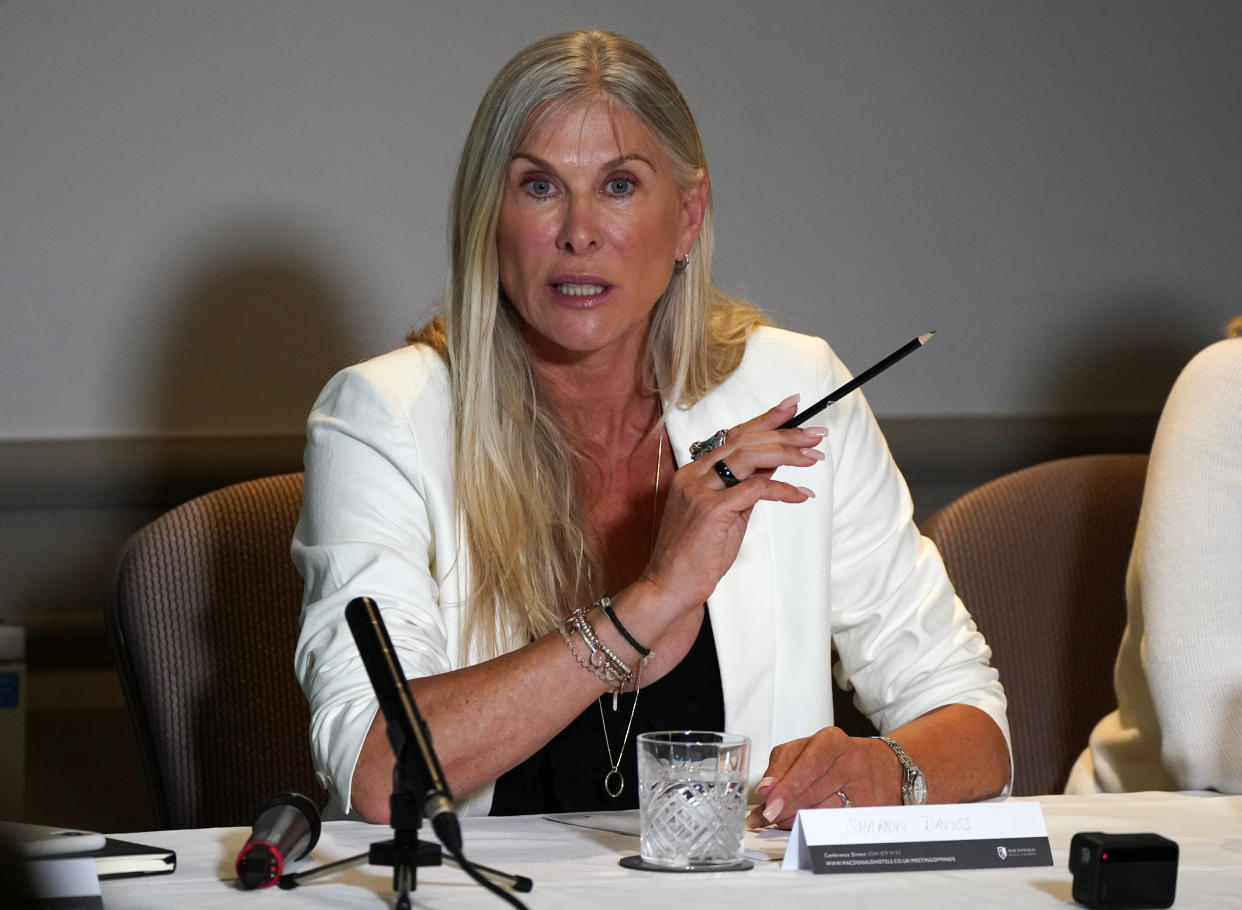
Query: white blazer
{"points": [[847, 568]]}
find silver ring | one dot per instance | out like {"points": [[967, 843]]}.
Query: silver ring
{"points": [[699, 449], [845, 800], [725, 474]]}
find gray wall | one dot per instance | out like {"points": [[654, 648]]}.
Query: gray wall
{"points": [[208, 208]]}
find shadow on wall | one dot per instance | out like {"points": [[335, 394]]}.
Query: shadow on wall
{"points": [[224, 361], [1126, 363], [233, 338], [254, 331], [235, 343]]}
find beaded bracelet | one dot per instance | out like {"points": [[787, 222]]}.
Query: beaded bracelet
{"points": [[567, 637], [602, 663], [601, 654], [605, 605]]}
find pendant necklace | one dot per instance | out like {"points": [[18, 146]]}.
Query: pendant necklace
{"points": [[614, 780]]}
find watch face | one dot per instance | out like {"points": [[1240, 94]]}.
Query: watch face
{"points": [[918, 790]]}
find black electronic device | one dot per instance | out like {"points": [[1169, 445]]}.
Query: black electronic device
{"points": [[1123, 871]]}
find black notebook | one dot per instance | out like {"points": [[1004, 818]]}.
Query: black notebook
{"points": [[122, 858]]}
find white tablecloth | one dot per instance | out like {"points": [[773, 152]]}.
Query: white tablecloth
{"points": [[577, 868]]}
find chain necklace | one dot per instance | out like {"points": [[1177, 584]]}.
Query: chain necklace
{"points": [[614, 779]]}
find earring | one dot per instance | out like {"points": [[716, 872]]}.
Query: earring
{"points": [[679, 265]]}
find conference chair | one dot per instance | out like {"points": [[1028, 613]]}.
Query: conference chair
{"points": [[203, 622], [1039, 557]]}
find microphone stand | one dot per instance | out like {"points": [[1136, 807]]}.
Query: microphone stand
{"points": [[292, 880], [404, 852]]}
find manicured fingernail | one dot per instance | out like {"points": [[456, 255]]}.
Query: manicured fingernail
{"points": [[817, 432], [813, 453], [764, 784], [810, 494], [791, 400], [772, 809]]}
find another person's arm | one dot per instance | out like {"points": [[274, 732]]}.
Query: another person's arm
{"points": [[1178, 723], [1185, 578]]}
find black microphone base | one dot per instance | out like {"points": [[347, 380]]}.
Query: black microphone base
{"points": [[390, 853], [405, 860]]}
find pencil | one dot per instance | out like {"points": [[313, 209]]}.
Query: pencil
{"points": [[833, 397]]}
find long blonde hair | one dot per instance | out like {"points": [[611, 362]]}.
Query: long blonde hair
{"points": [[516, 471]]}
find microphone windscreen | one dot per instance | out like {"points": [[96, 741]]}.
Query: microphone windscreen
{"points": [[286, 828]]}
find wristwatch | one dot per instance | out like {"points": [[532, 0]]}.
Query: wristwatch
{"points": [[913, 783]]}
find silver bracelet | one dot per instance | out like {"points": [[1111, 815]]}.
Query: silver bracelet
{"points": [[602, 662], [601, 655], [567, 636]]}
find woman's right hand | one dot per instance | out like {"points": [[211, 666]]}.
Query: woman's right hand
{"points": [[704, 521]]}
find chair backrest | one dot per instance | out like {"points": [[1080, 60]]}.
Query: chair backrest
{"points": [[203, 621], [1039, 557]]}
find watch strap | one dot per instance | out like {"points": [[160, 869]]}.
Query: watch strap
{"points": [[911, 774]]}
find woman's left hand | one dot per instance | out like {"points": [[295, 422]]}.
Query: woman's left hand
{"points": [[813, 772]]}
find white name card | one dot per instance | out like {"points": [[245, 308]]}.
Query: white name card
{"points": [[897, 838]]}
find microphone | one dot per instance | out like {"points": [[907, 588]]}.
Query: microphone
{"points": [[286, 829], [405, 724]]}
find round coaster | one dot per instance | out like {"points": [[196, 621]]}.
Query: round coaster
{"points": [[637, 862]]}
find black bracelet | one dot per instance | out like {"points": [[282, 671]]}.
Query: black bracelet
{"points": [[605, 604]]}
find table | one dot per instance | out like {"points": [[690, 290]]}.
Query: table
{"points": [[576, 868]]}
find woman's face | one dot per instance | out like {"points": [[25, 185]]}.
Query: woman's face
{"points": [[591, 220]]}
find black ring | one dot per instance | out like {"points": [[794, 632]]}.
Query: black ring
{"points": [[725, 474]]}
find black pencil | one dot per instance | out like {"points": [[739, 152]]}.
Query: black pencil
{"points": [[833, 397]]}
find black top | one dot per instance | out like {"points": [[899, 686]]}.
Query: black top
{"points": [[567, 775]]}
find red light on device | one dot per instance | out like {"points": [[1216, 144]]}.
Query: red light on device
{"points": [[1104, 856]]}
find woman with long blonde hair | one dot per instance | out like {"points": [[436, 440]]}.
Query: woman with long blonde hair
{"points": [[514, 489]]}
